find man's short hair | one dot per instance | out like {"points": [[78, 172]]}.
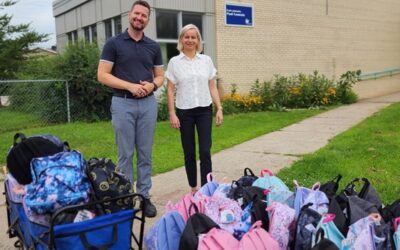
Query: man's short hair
{"points": [[143, 3]]}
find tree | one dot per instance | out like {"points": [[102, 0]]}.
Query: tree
{"points": [[14, 42]]}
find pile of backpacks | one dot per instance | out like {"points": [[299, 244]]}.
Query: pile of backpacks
{"points": [[44, 175], [261, 212]]}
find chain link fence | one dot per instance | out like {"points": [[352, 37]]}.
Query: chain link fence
{"points": [[28, 103]]}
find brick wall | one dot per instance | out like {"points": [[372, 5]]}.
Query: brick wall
{"points": [[293, 36]]}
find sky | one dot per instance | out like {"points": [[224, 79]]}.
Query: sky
{"points": [[37, 12]]}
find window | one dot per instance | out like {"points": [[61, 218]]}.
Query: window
{"points": [[86, 31], [167, 25], [117, 25], [72, 36], [108, 28], [94, 33], [90, 33], [195, 19], [112, 26]]}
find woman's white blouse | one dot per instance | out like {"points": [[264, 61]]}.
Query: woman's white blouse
{"points": [[190, 77]]}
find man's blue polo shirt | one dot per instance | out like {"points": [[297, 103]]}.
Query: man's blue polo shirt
{"points": [[133, 60]]}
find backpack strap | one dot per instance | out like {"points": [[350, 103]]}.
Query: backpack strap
{"points": [[364, 188], [248, 172], [328, 218], [20, 136], [396, 223], [266, 172], [257, 224], [316, 186], [194, 206], [209, 177]]}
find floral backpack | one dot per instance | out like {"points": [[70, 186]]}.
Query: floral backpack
{"points": [[281, 223], [225, 212], [58, 180]]}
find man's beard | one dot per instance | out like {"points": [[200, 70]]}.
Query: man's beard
{"points": [[136, 28]]}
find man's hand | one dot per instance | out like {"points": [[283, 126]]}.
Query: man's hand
{"points": [[148, 86], [137, 90]]}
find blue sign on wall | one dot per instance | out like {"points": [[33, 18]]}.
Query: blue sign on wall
{"points": [[239, 14]]}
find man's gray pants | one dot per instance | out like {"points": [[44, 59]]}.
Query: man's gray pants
{"points": [[134, 122]]}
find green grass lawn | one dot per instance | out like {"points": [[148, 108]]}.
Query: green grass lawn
{"points": [[97, 139], [12, 121], [369, 150]]}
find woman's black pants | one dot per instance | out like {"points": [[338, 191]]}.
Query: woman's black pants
{"points": [[201, 119]]}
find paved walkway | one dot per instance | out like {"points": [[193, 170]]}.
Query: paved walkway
{"points": [[274, 150]]}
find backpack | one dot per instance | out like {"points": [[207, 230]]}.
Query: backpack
{"points": [[25, 149], [396, 235], [197, 224], [217, 239], [256, 196], [362, 235], [329, 231], [318, 199], [209, 188], [306, 226], [236, 191], [165, 234], [281, 219], [258, 239], [268, 179], [108, 182], [183, 205], [225, 212], [57, 181], [330, 188], [392, 211], [323, 243]]}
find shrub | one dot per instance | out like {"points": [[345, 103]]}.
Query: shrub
{"points": [[162, 105], [299, 91], [344, 86], [90, 100], [236, 103]]}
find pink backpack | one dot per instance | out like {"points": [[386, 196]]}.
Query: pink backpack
{"points": [[258, 239], [218, 239], [281, 222], [183, 205]]}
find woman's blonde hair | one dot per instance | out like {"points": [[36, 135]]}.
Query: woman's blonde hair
{"points": [[199, 47]]}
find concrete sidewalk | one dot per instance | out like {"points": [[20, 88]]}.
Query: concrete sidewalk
{"points": [[274, 150]]}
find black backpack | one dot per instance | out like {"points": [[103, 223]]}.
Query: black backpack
{"points": [[25, 149], [197, 224], [108, 182], [330, 188], [392, 211], [303, 236], [257, 197], [236, 191]]}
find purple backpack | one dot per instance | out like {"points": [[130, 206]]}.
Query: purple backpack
{"points": [[165, 234], [318, 199], [209, 188]]}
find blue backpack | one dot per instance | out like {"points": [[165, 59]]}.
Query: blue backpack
{"points": [[58, 181], [165, 234]]}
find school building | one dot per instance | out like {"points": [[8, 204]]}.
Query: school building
{"points": [[257, 39]]}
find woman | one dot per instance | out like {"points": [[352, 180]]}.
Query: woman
{"points": [[193, 76]]}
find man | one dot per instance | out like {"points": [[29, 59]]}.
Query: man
{"points": [[131, 64]]}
